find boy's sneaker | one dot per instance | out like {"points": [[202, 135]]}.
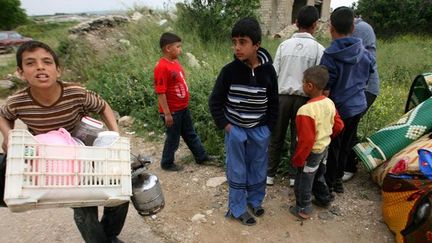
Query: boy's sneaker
{"points": [[324, 203], [291, 182], [320, 203], [270, 181], [173, 167], [347, 176]]}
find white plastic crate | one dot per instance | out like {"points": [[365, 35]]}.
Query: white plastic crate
{"points": [[52, 176]]}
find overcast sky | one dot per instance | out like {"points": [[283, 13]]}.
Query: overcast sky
{"points": [[39, 7]]}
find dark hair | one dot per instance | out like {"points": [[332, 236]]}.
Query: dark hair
{"points": [[307, 16], [317, 75], [247, 27], [342, 20], [168, 38], [31, 46]]}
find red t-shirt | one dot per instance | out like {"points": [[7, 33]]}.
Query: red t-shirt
{"points": [[169, 79]]}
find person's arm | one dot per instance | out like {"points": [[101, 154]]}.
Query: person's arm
{"points": [[337, 126], [217, 101], [108, 118], [332, 70], [273, 102], [277, 60], [167, 113], [5, 126], [305, 139]]}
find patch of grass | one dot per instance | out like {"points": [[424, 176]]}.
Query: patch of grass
{"points": [[49, 33], [399, 60]]}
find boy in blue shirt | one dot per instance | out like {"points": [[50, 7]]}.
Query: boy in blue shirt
{"points": [[366, 33], [244, 103], [349, 65]]}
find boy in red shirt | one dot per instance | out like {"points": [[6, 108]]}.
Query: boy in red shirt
{"points": [[173, 98], [317, 122]]}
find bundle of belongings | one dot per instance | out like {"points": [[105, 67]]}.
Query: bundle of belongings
{"points": [[399, 158]]}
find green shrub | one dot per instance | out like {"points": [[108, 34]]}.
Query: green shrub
{"points": [[50, 33], [213, 20], [397, 17], [11, 14]]}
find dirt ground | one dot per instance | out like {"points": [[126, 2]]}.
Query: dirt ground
{"points": [[354, 217]]}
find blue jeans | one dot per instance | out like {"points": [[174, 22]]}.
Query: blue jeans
{"points": [[310, 180], [93, 231], [246, 169], [183, 126]]}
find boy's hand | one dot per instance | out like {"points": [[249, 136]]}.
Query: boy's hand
{"points": [[298, 164], [4, 145], [168, 120], [228, 128]]}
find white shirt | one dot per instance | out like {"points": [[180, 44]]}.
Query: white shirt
{"points": [[293, 57]]}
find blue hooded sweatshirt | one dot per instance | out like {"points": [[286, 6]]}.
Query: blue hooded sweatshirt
{"points": [[349, 65]]}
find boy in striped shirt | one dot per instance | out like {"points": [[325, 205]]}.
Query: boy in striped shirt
{"points": [[317, 122], [49, 104], [244, 103]]}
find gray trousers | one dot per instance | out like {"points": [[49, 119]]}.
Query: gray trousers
{"points": [[310, 181], [288, 107]]}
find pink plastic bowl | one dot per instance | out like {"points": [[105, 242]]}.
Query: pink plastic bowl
{"points": [[59, 170]]}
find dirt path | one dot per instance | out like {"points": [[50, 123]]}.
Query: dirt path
{"points": [[355, 216]]}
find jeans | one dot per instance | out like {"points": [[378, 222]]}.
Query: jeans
{"points": [[310, 180], [183, 127], [246, 168], [288, 107], [109, 227]]}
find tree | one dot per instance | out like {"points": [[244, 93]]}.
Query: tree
{"points": [[390, 17], [213, 19], [11, 14]]}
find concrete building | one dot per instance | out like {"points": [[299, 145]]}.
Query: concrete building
{"points": [[277, 14]]}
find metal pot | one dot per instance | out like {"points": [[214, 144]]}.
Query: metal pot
{"points": [[147, 196]]}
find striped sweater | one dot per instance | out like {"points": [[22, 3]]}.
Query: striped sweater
{"points": [[74, 103], [246, 97]]}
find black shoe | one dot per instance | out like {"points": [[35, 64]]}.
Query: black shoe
{"points": [[173, 167], [208, 160], [338, 186], [116, 240], [321, 204]]}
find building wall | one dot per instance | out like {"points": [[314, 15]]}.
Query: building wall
{"points": [[277, 14]]}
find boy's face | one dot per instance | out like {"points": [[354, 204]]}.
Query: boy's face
{"points": [[39, 68], [243, 47], [174, 50]]}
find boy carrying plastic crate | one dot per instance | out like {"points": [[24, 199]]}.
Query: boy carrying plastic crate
{"points": [[49, 104]]}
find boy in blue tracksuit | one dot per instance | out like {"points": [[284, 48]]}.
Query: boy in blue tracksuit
{"points": [[349, 65], [244, 103]]}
